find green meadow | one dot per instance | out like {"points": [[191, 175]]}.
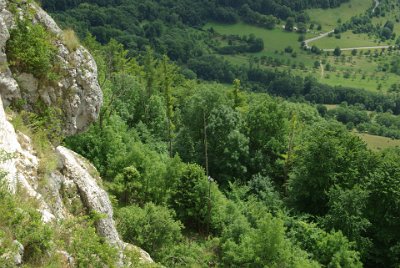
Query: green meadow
{"points": [[329, 18], [348, 39], [378, 143], [275, 42], [273, 39]]}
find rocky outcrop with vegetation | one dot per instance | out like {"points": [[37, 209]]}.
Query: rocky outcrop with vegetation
{"points": [[68, 80], [49, 87]]}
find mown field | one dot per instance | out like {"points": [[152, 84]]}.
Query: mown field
{"points": [[378, 143], [274, 41], [348, 39], [329, 18]]}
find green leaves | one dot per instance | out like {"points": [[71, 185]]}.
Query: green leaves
{"points": [[153, 228], [384, 208], [330, 249], [267, 130], [30, 49], [328, 156]]}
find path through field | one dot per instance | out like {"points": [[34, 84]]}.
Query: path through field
{"points": [[356, 48], [376, 5], [322, 69], [306, 42]]}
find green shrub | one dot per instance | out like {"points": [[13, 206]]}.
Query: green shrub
{"points": [[79, 237], [30, 49], [331, 249], [191, 253], [19, 220], [190, 200], [153, 228], [4, 156]]}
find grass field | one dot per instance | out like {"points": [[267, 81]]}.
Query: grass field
{"points": [[328, 18], [378, 143], [348, 39], [369, 80], [275, 42], [273, 39], [380, 83]]}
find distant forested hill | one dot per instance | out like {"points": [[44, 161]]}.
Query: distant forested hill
{"points": [[202, 10], [163, 24]]}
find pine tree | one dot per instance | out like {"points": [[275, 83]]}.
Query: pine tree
{"points": [[168, 75]]}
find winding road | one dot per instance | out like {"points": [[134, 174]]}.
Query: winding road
{"points": [[308, 41], [376, 5], [356, 48]]}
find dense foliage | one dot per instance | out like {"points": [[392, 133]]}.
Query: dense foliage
{"points": [[30, 49], [175, 29], [206, 174]]}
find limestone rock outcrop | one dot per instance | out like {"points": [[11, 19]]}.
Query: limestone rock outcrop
{"points": [[76, 169], [73, 174], [78, 90]]}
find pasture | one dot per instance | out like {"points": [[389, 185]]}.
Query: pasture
{"points": [[377, 143], [329, 18], [348, 39]]}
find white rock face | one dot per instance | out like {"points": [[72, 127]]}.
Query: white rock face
{"points": [[20, 252], [75, 168], [73, 172], [8, 86], [95, 198], [22, 168], [77, 92], [8, 144]]}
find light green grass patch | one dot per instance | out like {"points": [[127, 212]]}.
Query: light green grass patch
{"points": [[378, 143], [363, 72], [276, 39], [347, 40], [275, 42], [331, 106], [328, 18]]}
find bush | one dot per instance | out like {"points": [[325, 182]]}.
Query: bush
{"points": [[19, 220], [190, 201], [85, 245], [70, 39], [153, 228], [331, 249], [30, 49], [288, 49], [191, 253]]}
